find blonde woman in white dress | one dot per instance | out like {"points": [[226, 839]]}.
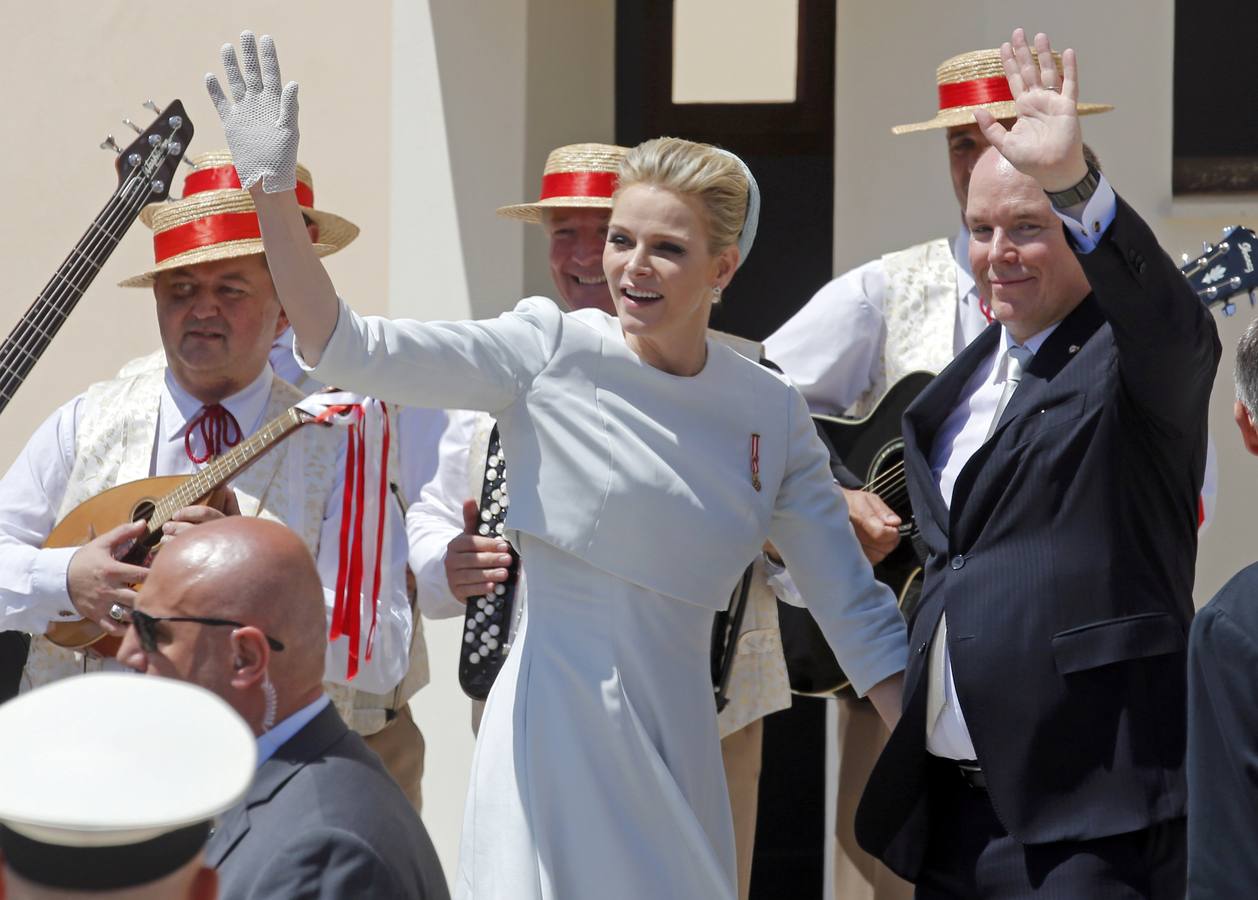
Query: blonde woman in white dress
{"points": [[649, 465]]}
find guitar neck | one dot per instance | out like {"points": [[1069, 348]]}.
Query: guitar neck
{"points": [[224, 468], [40, 323]]}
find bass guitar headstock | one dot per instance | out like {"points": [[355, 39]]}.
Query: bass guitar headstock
{"points": [[149, 162], [1225, 269]]}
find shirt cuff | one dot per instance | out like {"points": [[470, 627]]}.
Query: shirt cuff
{"points": [[50, 580], [1099, 212]]}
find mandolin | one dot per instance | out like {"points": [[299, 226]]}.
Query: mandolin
{"points": [[145, 169], [155, 501]]}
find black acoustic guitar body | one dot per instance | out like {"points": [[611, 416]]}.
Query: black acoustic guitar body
{"points": [[871, 448]]}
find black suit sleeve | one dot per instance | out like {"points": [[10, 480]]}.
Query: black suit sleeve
{"points": [[1168, 345], [1222, 756]]}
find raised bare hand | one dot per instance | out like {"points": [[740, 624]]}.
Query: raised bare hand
{"points": [[474, 564], [97, 579], [1045, 142]]}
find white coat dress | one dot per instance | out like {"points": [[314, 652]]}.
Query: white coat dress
{"points": [[637, 499]]}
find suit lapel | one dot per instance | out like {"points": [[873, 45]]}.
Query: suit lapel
{"points": [[971, 497], [1057, 351], [310, 743], [922, 421]]}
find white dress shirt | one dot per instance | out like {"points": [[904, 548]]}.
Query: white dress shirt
{"points": [[435, 518], [965, 430], [830, 348], [34, 589]]}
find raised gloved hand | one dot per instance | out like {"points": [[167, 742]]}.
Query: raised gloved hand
{"points": [[260, 119]]}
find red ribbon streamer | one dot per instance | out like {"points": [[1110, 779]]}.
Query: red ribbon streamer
{"points": [[578, 184], [347, 511], [219, 430], [224, 178], [216, 229], [974, 92], [383, 501]]}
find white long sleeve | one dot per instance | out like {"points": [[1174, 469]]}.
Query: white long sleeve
{"points": [[829, 349], [436, 517], [33, 590]]}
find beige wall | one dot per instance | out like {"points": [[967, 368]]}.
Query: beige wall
{"points": [[886, 76], [74, 70]]}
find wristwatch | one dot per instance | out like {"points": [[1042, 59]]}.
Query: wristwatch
{"points": [[1080, 193]]}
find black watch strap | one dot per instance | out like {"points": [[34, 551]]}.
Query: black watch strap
{"points": [[1080, 193]]}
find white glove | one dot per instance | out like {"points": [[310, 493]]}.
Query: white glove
{"points": [[260, 120]]}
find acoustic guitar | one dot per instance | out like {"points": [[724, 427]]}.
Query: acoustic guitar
{"points": [[155, 502]]}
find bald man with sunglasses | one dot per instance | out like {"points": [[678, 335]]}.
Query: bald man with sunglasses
{"points": [[236, 606]]}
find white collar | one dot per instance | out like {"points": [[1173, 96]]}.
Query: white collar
{"points": [[248, 405], [1000, 368], [961, 253]]}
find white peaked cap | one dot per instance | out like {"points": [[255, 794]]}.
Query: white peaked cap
{"points": [[111, 760]]}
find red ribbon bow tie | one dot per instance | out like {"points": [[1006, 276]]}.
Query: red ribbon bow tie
{"points": [[218, 429]]}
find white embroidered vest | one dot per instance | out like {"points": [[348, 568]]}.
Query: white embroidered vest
{"points": [[920, 312], [114, 444]]}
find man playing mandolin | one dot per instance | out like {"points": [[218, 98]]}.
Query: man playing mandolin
{"points": [[217, 314]]}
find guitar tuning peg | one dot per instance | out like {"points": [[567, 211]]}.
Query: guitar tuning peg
{"points": [[1229, 309], [110, 144], [134, 127], [1228, 229], [187, 162], [150, 105], [1184, 259], [1205, 246], [1253, 296]]}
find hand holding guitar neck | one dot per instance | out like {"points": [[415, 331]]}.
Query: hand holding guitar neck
{"points": [[221, 503]]}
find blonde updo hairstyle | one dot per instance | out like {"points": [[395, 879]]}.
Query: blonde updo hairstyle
{"points": [[690, 169]]}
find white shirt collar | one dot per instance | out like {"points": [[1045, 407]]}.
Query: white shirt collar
{"points": [[270, 741], [247, 405], [1033, 343], [961, 253]]}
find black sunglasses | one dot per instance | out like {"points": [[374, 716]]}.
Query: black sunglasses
{"points": [[146, 627]]}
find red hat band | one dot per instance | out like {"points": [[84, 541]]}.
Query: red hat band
{"points": [[972, 92], [578, 184], [219, 228]]}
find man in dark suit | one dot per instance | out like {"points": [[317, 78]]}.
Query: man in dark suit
{"points": [[1054, 468], [1222, 714], [236, 606]]}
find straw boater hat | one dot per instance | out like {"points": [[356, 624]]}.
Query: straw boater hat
{"points": [[576, 175], [976, 80], [217, 220]]}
